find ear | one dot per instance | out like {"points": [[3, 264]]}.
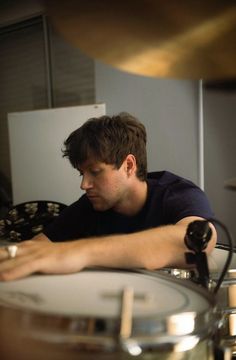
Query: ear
{"points": [[131, 165]]}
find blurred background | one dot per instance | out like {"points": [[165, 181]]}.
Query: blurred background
{"points": [[190, 122]]}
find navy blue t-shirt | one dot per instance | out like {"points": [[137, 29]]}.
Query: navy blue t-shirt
{"points": [[170, 198]]}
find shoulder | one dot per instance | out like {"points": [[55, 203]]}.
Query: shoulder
{"points": [[180, 197], [168, 179], [82, 201], [80, 206]]}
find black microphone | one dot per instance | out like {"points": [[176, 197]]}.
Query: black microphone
{"points": [[198, 235], [196, 239]]}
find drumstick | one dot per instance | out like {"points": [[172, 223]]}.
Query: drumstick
{"points": [[126, 312]]}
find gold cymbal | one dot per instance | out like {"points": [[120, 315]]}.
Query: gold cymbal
{"points": [[180, 39]]}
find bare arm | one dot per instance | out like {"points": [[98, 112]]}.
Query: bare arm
{"points": [[151, 249]]}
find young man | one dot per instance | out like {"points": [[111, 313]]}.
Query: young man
{"points": [[125, 219]]}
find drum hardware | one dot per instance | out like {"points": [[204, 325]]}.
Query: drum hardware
{"points": [[180, 273], [225, 247], [224, 344], [226, 304], [224, 286], [197, 236], [230, 253], [227, 325], [232, 305]]}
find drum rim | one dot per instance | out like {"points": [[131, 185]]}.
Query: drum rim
{"points": [[43, 325]]}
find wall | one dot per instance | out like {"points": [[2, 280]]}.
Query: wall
{"points": [[169, 110], [40, 172], [64, 76], [220, 154]]}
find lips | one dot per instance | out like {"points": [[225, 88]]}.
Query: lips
{"points": [[92, 196]]}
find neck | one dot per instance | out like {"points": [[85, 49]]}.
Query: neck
{"points": [[134, 200]]}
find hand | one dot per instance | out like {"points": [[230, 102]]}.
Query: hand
{"points": [[40, 255]]}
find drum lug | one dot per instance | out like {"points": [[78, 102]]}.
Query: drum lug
{"points": [[222, 353]]}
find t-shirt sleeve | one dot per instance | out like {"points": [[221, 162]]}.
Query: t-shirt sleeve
{"points": [[184, 199], [72, 223]]}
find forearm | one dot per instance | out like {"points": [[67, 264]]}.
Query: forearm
{"points": [[150, 249]]}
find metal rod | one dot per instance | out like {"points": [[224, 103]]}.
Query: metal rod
{"points": [[200, 135]]}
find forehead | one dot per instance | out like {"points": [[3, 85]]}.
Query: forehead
{"points": [[90, 162], [93, 163]]}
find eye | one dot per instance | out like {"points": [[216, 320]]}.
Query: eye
{"points": [[95, 172], [80, 173]]}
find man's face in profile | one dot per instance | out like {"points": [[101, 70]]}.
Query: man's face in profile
{"points": [[105, 185]]}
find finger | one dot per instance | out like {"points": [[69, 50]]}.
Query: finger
{"points": [[8, 252], [50, 258], [23, 248], [5, 253], [19, 267], [28, 264], [32, 257]]}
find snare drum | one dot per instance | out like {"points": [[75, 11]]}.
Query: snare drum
{"points": [[226, 300], [105, 314]]}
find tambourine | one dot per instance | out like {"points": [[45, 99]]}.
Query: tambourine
{"points": [[25, 220]]}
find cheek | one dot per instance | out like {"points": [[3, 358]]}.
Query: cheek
{"points": [[117, 185], [110, 186], [112, 183]]}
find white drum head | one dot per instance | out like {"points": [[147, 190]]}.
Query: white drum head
{"points": [[98, 294]]}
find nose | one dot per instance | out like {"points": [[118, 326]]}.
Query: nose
{"points": [[86, 183]]}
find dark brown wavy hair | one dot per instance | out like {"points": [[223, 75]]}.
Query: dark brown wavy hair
{"points": [[109, 140]]}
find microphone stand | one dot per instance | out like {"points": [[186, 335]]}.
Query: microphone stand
{"points": [[196, 239]]}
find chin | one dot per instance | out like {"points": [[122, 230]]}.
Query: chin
{"points": [[98, 207]]}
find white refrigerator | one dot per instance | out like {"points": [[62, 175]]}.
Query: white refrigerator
{"points": [[38, 170]]}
